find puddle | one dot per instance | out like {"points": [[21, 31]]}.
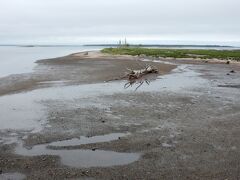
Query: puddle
{"points": [[166, 145], [88, 140], [20, 112], [54, 83], [25, 111], [8, 140], [230, 85], [159, 61], [146, 79], [12, 176], [82, 158]]}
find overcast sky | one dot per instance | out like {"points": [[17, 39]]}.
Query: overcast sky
{"points": [[105, 21]]}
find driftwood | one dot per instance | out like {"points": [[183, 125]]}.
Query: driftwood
{"points": [[137, 76]]}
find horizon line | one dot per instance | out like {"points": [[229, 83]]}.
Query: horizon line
{"points": [[115, 44]]}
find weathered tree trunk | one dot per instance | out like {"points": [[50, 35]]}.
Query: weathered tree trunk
{"points": [[136, 74]]}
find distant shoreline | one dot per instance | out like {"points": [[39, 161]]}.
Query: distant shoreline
{"points": [[163, 45], [202, 54], [116, 45]]}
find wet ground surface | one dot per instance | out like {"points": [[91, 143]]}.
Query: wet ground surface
{"points": [[12, 176], [25, 111], [181, 125], [81, 158]]}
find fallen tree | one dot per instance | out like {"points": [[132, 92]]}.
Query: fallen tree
{"points": [[136, 74], [139, 76]]}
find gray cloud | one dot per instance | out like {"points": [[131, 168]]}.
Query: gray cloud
{"points": [[76, 21]]}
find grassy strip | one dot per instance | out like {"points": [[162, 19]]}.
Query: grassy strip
{"points": [[176, 53]]}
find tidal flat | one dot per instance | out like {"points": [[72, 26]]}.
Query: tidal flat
{"points": [[183, 124]]}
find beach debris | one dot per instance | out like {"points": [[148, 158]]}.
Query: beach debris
{"points": [[136, 74], [139, 76], [85, 54], [228, 62]]}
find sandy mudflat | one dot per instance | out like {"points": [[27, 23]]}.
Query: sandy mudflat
{"points": [[183, 125], [75, 69]]}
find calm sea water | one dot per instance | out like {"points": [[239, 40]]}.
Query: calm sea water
{"points": [[18, 60]]}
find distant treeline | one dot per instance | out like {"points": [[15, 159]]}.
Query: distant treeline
{"points": [[159, 45], [176, 53]]}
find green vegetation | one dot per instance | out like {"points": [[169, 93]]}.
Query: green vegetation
{"points": [[176, 53]]}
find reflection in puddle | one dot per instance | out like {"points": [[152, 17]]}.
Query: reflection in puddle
{"points": [[88, 140], [140, 81], [230, 85], [12, 176], [24, 111], [8, 140], [82, 158]]}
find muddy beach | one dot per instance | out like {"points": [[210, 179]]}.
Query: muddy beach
{"points": [[68, 120]]}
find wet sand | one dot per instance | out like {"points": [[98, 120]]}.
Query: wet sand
{"points": [[184, 125], [74, 69]]}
